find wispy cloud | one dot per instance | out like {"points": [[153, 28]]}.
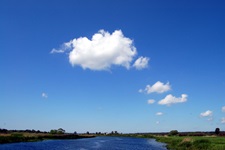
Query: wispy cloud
{"points": [[157, 122], [159, 114], [57, 51], [151, 101], [223, 109], [158, 87], [44, 95], [170, 99], [207, 113], [102, 51]]}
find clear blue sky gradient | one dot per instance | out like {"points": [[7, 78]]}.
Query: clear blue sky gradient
{"points": [[184, 39]]}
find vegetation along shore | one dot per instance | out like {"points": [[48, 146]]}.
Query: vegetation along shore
{"points": [[187, 140], [13, 136]]}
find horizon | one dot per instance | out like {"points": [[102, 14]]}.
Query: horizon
{"points": [[126, 66]]}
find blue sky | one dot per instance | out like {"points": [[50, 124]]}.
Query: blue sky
{"points": [[126, 66]]}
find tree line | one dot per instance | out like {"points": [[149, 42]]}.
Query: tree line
{"points": [[27, 131]]}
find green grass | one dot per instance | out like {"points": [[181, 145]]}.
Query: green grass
{"points": [[193, 142]]}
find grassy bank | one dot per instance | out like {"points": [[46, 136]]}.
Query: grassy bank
{"points": [[192, 142], [30, 137], [196, 142]]}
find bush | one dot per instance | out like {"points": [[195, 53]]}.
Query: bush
{"points": [[173, 132], [53, 132]]}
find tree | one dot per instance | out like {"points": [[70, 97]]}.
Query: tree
{"points": [[53, 131], [60, 131], [217, 131], [3, 131], [173, 132]]}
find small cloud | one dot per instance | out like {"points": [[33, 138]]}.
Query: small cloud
{"points": [[141, 63], [102, 51], [151, 101], [223, 109], [158, 87], [44, 95], [207, 113], [57, 51], [170, 99], [157, 122], [159, 114], [223, 120]]}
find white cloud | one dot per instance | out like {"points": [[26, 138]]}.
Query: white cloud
{"points": [[223, 120], [44, 95], [141, 63], [207, 113], [157, 122], [170, 99], [223, 109], [151, 101], [158, 87], [102, 51], [57, 51], [159, 114]]}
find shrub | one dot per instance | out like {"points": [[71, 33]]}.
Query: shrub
{"points": [[53, 132], [173, 132]]}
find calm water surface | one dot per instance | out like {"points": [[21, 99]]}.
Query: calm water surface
{"points": [[99, 143]]}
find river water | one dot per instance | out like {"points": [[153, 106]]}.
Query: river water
{"points": [[98, 143]]}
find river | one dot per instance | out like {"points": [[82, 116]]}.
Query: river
{"points": [[97, 143]]}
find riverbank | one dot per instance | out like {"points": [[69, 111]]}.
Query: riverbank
{"points": [[31, 137], [192, 141], [212, 142]]}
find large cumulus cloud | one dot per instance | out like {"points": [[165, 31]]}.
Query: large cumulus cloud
{"points": [[102, 51]]}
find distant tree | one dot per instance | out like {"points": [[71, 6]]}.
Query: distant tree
{"points": [[173, 132], [217, 131], [38, 131], [75, 132], [3, 131], [61, 131], [53, 132], [88, 132], [27, 130]]}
